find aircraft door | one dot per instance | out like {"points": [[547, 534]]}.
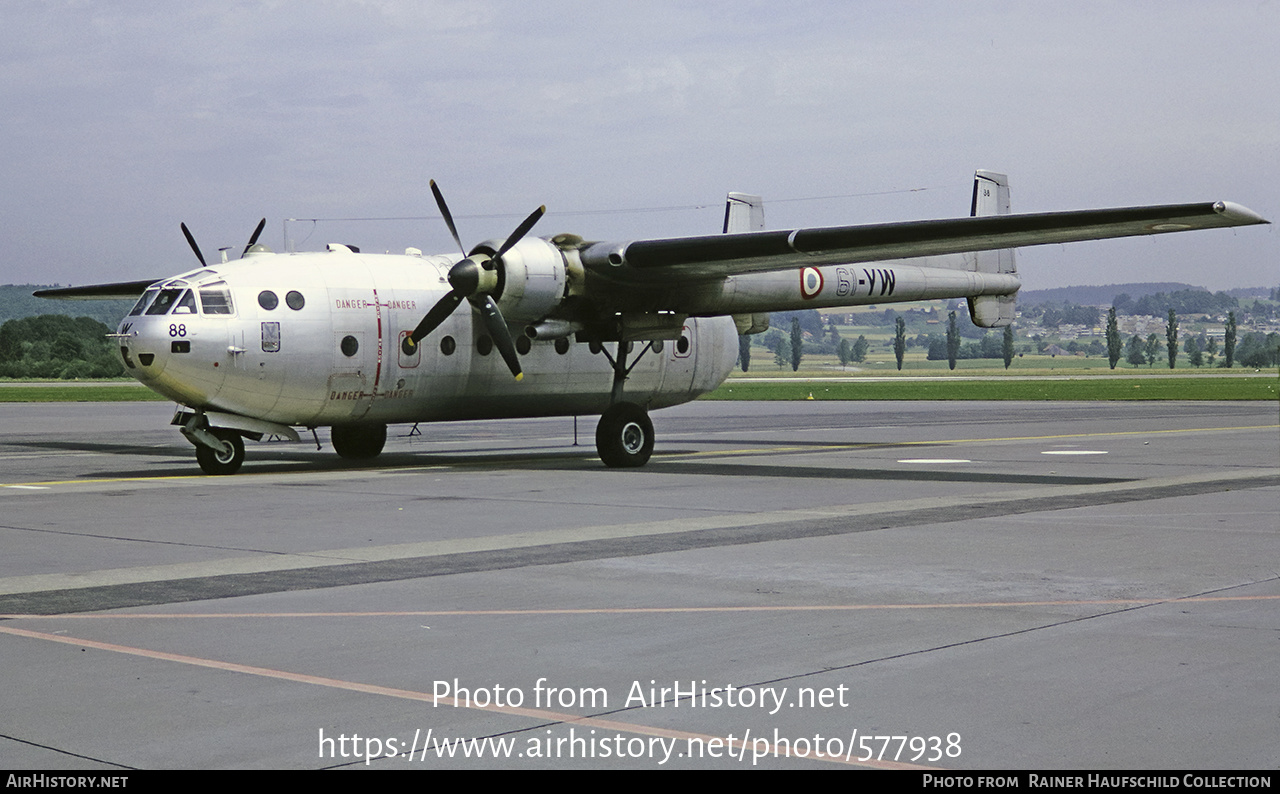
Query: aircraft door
{"points": [[260, 364], [357, 354]]}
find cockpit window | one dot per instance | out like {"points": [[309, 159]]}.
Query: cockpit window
{"points": [[164, 301], [215, 298], [142, 302], [187, 304]]}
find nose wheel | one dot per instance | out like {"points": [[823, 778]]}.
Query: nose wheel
{"points": [[227, 458], [624, 437]]}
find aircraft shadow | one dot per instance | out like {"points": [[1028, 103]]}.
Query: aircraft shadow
{"points": [[293, 460]]}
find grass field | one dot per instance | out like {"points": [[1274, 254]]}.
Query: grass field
{"points": [[976, 383], [107, 392], [1084, 388]]}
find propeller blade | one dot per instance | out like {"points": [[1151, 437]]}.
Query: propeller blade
{"points": [[521, 230], [438, 314], [192, 242], [448, 218], [254, 237], [497, 328]]}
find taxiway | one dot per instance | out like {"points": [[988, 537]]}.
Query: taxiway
{"points": [[1033, 585]]}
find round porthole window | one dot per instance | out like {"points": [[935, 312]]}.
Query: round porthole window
{"points": [[294, 300], [349, 346], [484, 345], [682, 345], [523, 345], [268, 300], [562, 345], [447, 345]]}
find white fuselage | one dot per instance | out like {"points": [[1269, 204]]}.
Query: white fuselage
{"points": [[236, 343]]}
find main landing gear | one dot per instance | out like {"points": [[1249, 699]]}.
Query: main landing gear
{"points": [[358, 442], [624, 436]]}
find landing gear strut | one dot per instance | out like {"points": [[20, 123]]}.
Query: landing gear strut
{"points": [[624, 436]]}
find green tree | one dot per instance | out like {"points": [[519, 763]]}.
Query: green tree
{"points": [[797, 344], [860, 349], [1006, 348], [781, 350], [1171, 338], [57, 346], [953, 340], [1229, 341], [1114, 343], [1192, 348], [1133, 352], [900, 341], [845, 351], [1152, 348]]}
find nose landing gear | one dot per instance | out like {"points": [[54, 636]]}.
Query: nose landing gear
{"points": [[226, 458]]}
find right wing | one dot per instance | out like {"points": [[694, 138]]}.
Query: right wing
{"points": [[723, 255]]}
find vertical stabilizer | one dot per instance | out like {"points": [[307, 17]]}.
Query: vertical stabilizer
{"points": [[743, 213], [991, 197]]}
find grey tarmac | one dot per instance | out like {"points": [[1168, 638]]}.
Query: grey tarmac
{"points": [[1055, 585]]}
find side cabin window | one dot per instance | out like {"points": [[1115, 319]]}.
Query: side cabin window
{"points": [[215, 298], [142, 302]]}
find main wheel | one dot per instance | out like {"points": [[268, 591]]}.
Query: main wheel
{"points": [[226, 460], [624, 437], [358, 442]]}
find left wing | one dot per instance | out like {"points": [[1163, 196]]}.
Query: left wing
{"points": [[756, 252], [116, 291]]}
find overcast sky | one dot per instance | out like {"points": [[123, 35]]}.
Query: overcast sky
{"points": [[121, 120]]}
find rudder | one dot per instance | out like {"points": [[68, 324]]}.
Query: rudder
{"points": [[991, 197]]}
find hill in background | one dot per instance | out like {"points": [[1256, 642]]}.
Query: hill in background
{"points": [[16, 302]]}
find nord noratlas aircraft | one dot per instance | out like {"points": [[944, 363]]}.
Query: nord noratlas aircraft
{"points": [[547, 326]]}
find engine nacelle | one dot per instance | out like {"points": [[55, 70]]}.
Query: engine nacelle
{"points": [[531, 281]]}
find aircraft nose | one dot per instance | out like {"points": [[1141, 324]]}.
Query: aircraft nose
{"points": [[145, 350]]}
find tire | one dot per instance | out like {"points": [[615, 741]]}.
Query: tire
{"points": [[624, 437], [226, 460], [358, 442]]}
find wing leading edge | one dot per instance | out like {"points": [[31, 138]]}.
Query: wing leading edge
{"points": [[756, 252], [118, 291]]}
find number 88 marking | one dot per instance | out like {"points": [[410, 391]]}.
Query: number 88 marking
{"points": [[177, 330]]}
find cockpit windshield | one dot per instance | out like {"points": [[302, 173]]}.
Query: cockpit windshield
{"points": [[187, 304], [164, 301], [142, 302]]}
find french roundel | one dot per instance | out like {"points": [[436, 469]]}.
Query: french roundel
{"points": [[810, 282]]}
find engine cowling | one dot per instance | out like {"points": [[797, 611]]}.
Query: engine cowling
{"points": [[532, 279]]}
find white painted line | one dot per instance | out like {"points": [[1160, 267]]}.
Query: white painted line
{"points": [[29, 487], [935, 460], [1074, 452]]}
